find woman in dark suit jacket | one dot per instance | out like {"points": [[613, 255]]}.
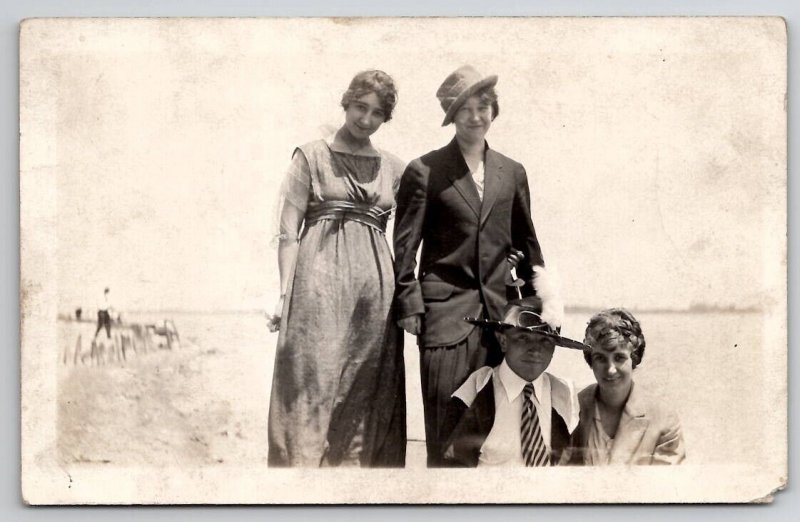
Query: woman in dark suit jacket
{"points": [[469, 206], [618, 423]]}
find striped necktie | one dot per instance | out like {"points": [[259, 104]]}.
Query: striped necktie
{"points": [[534, 451]]}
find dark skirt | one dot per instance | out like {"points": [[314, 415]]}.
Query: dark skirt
{"points": [[443, 370]]}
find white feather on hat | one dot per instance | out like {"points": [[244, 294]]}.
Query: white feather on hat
{"points": [[547, 285]]}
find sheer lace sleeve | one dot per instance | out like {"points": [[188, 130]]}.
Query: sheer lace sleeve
{"points": [[397, 168], [294, 197]]}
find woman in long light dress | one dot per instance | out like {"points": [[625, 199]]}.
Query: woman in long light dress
{"points": [[338, 392]]}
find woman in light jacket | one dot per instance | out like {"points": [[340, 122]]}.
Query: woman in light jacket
{"points": [[619, 423]]}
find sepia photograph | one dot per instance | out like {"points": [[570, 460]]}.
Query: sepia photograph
{"points": [[348, 260]]}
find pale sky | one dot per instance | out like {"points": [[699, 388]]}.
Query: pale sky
{"points": [[655, 150]]}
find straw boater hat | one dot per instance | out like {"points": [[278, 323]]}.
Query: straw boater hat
{"points": [[460, 85], [542, 313]]}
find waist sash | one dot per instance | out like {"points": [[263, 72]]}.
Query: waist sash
{"points": [[347, 211]]}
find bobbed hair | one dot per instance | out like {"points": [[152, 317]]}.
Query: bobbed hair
{"points": [[370, 81], [612, 328], [489, 95]]}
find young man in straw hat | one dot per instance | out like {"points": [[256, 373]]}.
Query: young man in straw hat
{"points": [[515, 414], [469, 207]]}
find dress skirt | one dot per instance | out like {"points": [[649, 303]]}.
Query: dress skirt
{"points": [[338, 390]]}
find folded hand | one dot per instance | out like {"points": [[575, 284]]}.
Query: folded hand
{"points": [[411, 324]]}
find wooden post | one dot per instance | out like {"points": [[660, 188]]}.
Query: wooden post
{"points": [[78, 347]]}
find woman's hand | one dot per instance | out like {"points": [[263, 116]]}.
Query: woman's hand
{"points": [[274, 322], [411, 324]]}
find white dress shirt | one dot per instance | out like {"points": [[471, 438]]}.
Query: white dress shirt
{"points": [[104, 304], [478, 177]]}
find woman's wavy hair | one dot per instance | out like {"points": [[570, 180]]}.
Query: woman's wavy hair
{"points": [[612, 328], [375, 81], [489, 96]]}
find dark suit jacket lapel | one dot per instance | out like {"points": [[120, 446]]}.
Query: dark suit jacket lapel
{"points": [[458, 174], [492, 182], [632, 426]]}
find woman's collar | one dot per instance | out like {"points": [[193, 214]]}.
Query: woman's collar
{"points": [[337, 145]]}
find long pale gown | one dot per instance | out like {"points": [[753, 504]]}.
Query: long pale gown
{"points": [[338, 392]]}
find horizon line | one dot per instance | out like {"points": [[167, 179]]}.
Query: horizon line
{"points": [[694, 308]]}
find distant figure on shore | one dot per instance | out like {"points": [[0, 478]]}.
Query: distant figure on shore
{"points": [[78, 313], [103, 315]]}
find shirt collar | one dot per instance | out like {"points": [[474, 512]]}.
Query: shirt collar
{"points": [[561, 392], [513, 384], [473, 385]]}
